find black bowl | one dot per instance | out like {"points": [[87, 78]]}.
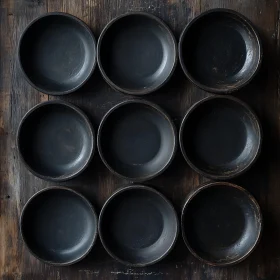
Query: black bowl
{"points": [[57, 53], [136, 53], [55, 141], [59, 226], [138, 226], [221, 223], [220, 137], [136, 140], [220, 51]]}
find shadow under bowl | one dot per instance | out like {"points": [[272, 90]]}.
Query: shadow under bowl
{"points": [[136, 53], [55, 141], [59, 226], [138, 226], [57, 53], [220, 51], [220, 137], [136, 140], [221, 223]]}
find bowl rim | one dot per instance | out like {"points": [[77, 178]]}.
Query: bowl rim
{"points": [[208, 185], [119, 192], [78, 21], [146, 90], [84, 199], [246, 22], [155, 108], [232, 174], [91, 135]]}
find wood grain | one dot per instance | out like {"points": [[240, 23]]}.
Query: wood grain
{"points": [[95, 98]]}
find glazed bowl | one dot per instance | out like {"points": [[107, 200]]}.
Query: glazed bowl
{"points": [[136, 53], [138, 226], [136, 140], [220, 137], [55, 141], [220, 51], [221, 223], [58, 226], [57, 53]]}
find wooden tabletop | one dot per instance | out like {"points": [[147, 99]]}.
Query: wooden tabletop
{"points": [[97, 183]]}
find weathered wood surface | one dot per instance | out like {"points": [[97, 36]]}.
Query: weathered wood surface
{"points": [[95, 98]]}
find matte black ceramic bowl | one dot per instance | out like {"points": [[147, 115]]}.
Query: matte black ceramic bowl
{"points": [[55, 141], [138, 226], [57, 53], [136, 53], [220, 51], [221, 223], [220, 137], [136, 140], [59, 226]]}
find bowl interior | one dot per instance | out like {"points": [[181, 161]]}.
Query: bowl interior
{"points": [[137, 53], [57, 53], [58, 226], [220, 137], [137, 140], [221, 224], [55, 141], [220, 51], [138, 226]]}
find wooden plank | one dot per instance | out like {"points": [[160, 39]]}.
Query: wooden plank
{"points": [[97, 183], [17, 97]]}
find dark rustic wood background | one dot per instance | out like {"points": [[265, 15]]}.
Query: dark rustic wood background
{"points": [[95, 98]]}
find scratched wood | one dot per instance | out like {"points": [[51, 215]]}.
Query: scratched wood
{"points": [[95, 98]]}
